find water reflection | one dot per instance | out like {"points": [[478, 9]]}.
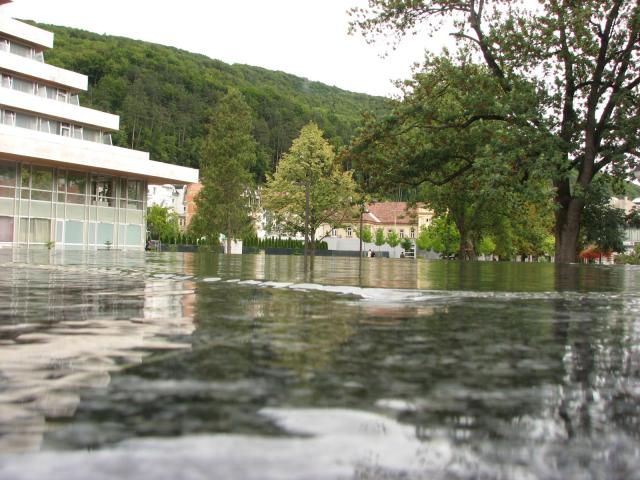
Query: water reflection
{"points": [[65, 329], [171, 365]]}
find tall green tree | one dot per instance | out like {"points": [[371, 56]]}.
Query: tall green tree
{"points": [[582, 57], [228, 154], [309, 171], [479, 176]]}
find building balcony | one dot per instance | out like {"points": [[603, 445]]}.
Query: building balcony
{"points": [[26, 145], [29, 34], [67, 112], [41, 71]]}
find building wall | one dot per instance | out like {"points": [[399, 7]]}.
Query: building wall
{"points": [[73, 209]]}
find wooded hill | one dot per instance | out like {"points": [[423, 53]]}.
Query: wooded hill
{"points": [[165, 96]]}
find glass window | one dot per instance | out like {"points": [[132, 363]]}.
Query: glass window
{"points": [[134, 235], [52, 93], [21, 50], [6, 81], [7, 180], [62, 185], [7, 174], [40, 230], [44, 125], [413, 233], [24, 120], [65, 130], [134, 194], [6, 229], [9, 117], [77, 132], [349, 232], [74, 99], [102, 191], [106, 139], [41, 90], [92, 135], [34, 230], [76, 187], [21, 85], [401, 233], [73, 232], [105, 234], [42, 178]]}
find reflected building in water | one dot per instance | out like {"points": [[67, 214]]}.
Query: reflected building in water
{"points": [[62, 332]]}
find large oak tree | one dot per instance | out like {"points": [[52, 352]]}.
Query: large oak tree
{"points": [[583, 58]]}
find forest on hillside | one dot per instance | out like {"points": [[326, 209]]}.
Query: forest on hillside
{"points": [[165, 97]]}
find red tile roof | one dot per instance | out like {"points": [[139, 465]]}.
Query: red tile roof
{"points": [[390, 213]]}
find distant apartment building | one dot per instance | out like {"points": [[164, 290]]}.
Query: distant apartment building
{"points": [[62, 182]]}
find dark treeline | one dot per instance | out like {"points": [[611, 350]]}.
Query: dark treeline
{"points": [[165, 97]]}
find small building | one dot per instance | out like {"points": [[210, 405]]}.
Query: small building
{"points": [[399, 217], [62, 182]]}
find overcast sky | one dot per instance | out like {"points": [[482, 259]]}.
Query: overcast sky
{"points": [[307, 38]]}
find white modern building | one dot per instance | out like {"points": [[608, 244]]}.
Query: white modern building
{"points": [[61, 180]]}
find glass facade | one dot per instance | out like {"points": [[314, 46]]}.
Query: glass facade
{"points": [[73, 209]]}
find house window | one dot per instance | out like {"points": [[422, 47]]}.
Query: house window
{"points": [[412, 232], [334, 232], [65, 130], [401, 233], [349, 231]]}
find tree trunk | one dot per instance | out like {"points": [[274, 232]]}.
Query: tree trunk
{"points": [[228, 237], [567, 226]]}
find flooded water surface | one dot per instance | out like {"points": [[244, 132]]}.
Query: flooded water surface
{"points": [[121, 365]]}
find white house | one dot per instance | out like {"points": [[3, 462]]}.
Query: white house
{"points": [[62, 182]]}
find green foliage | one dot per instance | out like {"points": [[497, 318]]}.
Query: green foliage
{"points": [[441, 236], [165, 97], [632, 258], [392, 239], [379, 239], [487, 246], [477, 170], [367, 236], [602, 224], [228, 154], [309, 169], [406, 244], [633, 218], [563, 76], [162, 223]]}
